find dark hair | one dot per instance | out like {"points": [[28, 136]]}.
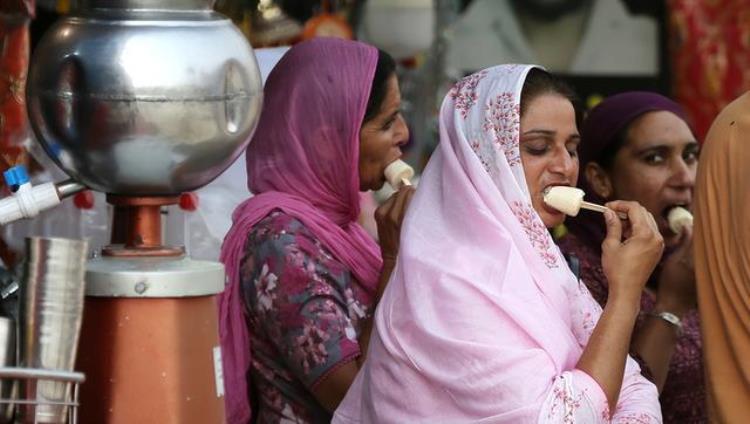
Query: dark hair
{"points": [[539, 82], [607, 156], [383, 71]]}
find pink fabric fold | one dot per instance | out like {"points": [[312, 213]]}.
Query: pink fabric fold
{"points": [[482, 321], [303, 160]]}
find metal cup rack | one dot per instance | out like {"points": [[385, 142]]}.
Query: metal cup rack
{"points": [[74, 378]]}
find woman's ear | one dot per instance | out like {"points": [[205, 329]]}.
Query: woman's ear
{"points": [[599, 180]]}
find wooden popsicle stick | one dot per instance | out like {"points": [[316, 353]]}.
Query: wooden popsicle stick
{"points": [[599, 208], [405, 182]]}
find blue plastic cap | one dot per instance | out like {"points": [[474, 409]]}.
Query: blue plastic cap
{"points": [[16, 176]]}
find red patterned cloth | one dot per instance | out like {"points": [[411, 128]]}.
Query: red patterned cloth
{"points": [[15, 16], [710, 54]]}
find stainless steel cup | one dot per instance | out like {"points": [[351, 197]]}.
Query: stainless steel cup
{"points": [[7, 359], [50, 313]]}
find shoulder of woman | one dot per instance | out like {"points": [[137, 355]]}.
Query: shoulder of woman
{"points": [[283, 235], [278, 226]]}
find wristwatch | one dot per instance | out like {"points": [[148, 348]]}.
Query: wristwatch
{"points": [[670, 318]]}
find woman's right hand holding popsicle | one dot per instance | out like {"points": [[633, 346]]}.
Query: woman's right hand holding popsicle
{"points": [[631, 250]]}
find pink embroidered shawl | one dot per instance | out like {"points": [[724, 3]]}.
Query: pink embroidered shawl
{"points": [[482, 320]]}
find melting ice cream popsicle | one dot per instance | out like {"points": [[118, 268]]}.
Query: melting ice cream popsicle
{"points": [[398, 174], [679, 217], [569, 200]]}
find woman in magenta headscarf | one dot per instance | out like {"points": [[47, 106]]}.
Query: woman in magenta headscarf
{"points": [[638, 146], [303, 276], [482, 320]]}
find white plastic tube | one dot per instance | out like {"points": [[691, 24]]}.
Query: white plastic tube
{"points": [[28, 201]]}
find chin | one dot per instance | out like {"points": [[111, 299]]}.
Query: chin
{"points": [[374, 186], [552, 221]]}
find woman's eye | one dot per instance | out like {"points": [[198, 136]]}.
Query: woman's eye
{"points": [[691, 156], [536, 149], [654, 159]]}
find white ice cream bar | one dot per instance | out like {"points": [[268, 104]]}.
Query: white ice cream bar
{"points": [[569, 200], [565, 199], [398, 174], [679, 217]]}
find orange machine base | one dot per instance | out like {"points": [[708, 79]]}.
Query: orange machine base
{"points": [[150, 360]]}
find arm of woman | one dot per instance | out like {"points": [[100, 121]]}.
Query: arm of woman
{"points": [[637, 399], [655, 339], [388, 216], [330, 391], [627, 265]]}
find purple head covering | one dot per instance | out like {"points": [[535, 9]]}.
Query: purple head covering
{"points": [[601, 130], [303, 160]]}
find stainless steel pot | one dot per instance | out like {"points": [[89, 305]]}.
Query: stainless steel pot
{"points": [[144, 97]]}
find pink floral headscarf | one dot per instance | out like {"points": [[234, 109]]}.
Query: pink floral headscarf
{"points": [[303, 160], [482, 320]]}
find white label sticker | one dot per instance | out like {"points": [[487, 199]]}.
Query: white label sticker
{"points": [[218, 372]]}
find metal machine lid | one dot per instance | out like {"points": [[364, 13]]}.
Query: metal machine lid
{"points": [[153, 277], [133, 5]]}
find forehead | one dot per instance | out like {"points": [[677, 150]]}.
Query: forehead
{"points": [[658, 128], [547, 110], [392, 96]]}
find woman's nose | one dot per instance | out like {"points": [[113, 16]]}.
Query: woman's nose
{"points": [[563, 162], [402, 131], [683, 174]]}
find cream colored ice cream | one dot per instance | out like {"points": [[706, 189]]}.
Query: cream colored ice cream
{"points": [[567, 200], [679, 217], [398, 174]]}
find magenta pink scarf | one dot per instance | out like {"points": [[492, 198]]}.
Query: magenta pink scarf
{"points": [[303, 160]]}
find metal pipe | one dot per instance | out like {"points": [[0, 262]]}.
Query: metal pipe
{"points": [[68, 188]]}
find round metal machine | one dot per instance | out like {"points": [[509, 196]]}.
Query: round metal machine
{"points": [[144, 100]]}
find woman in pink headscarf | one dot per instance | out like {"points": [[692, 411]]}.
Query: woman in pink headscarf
{"points": [[482, 320], [303, 276]]}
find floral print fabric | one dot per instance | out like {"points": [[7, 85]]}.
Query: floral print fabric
{"points": [[304, 314]]}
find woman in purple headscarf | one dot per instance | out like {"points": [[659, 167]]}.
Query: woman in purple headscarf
{"points": [[303, 276], [638, 146]]}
